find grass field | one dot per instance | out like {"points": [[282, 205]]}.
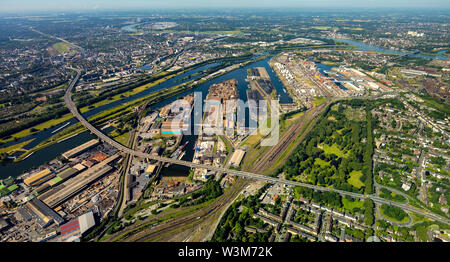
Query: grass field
{"points": [[333, 149], [53, 122], [354, 179], [354, 114], [253, 139], [418, 218], [353, 28], [318, 100], [125, 94], [39, 127], [62, 47], [237, 31], [15, 147], [431, 102], [123, 138], [350, 205], [321, 162]]}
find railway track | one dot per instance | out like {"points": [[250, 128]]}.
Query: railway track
{"points": [[196, 217], [266, 161]]}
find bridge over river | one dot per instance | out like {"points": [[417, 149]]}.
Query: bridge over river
{"points": [[124, 149]]}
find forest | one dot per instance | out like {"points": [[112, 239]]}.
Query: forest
{"points": [[338, 150]]}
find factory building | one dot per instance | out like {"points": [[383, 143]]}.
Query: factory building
{"points": [[73, 230], [36, 209], [64, 191], [39, 178], [150, 170], [172, 127], [237, 157], [60, 177], [70, 172], [80, 149]]}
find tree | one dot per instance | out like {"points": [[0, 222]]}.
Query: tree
{"points": [[368, 211]]}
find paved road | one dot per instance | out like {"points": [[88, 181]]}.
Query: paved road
{"points": [[124, 149]]}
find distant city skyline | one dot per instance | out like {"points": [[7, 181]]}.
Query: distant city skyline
{"points": [[55, 5]]}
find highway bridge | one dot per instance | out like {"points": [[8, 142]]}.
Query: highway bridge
{"points": [[124, 149]]}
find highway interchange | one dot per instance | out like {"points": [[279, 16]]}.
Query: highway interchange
{"points": [[124, 149]]}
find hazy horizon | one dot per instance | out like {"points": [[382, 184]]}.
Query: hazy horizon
{"points": [[22, 6]]}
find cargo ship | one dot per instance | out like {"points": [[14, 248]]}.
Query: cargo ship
{"points": [[66, 124], [178, 154]]}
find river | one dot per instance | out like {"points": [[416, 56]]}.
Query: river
{"points": [[44, 155], [45, 134], [367, 47]]}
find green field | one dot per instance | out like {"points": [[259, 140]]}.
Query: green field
{"points": [[39, 127], [123, 138], [434, 103], [15, 147], [354, 179], [62, 47], [350, 205], [53, 122], [354, 114], [321, 162], [353, 28], [318, 100], [6, 190], [237, 31], [333, 149]]}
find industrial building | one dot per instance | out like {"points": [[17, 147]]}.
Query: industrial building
{"points": [[60, 177], [4, 224], [69, 188], [80, 149], [237, 157], [70, 172], [150, 170], [73, 230], [172, 127], [39, 178], [36, 209], [223, 91]]}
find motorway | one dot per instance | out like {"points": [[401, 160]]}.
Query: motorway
{"points": [[124, 149]]}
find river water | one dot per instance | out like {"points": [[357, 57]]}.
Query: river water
{"points": [[42, 156], [366, 47]]}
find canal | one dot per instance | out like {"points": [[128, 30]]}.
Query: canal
{"points": [[367, 47], [44, 155]]}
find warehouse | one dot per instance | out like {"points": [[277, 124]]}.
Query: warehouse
{"points": [[236, 158], [74, 229], [80, 149], [150, 169], [171, 127], [37, 210], [68, 173], [72, 186], [39, 178]]}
